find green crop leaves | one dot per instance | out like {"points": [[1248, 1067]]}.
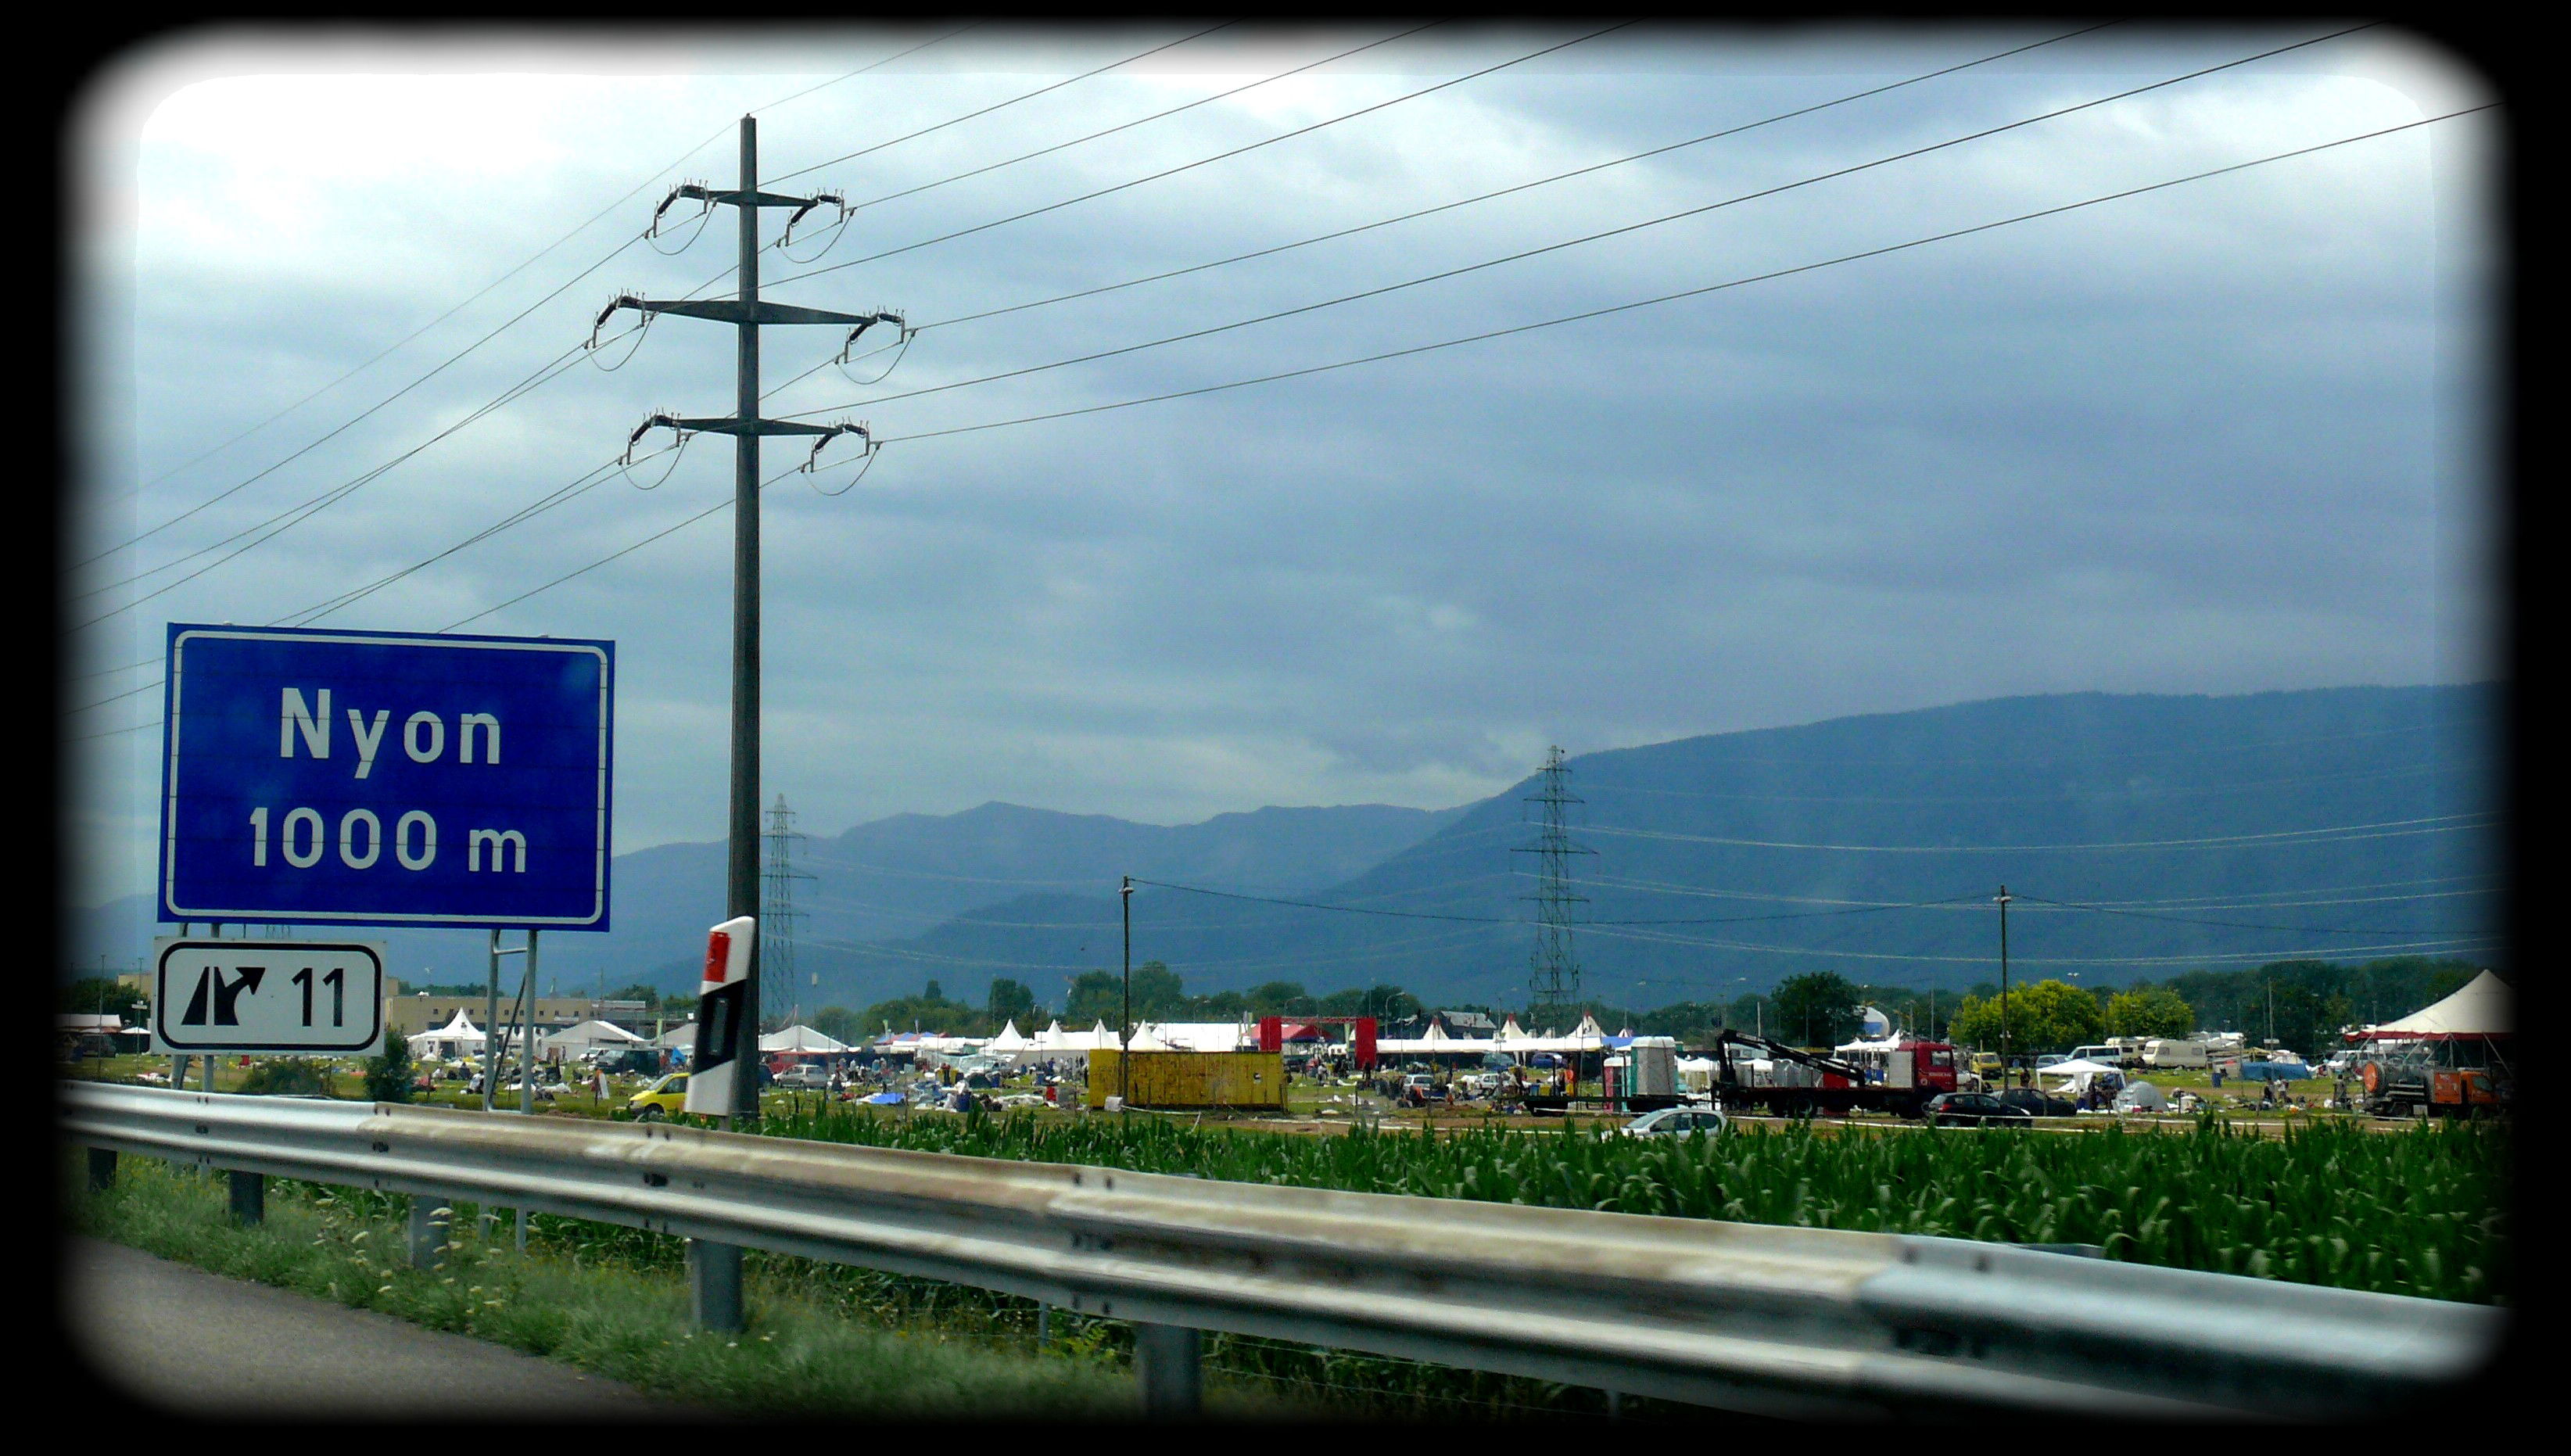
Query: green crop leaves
{"points": [[2419, 1212]]}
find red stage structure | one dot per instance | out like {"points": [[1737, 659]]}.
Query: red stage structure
{"points": [[1276, 1030]]}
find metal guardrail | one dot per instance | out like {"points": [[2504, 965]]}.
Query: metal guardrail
{"points": [[1791, 1322]]}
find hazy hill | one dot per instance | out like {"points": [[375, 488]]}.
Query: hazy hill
{"points": [[2258, 826], [886, 880], [2253, 827]]}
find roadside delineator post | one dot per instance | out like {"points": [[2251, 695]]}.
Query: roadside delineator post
{"points": [[250, 1196], [428, 1220], [1168, 1360]]}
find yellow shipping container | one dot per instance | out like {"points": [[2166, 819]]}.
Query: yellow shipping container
{"points": [[1194, 1079]]}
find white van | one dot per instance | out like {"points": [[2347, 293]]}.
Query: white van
{"points": [[2175, 1052]]}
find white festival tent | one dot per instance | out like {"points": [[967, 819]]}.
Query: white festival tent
{"points": [[587, 1036], [2076, 1075], [1010, 1040], [457, 1039], [2082, 1068], [1200, 1036], [1054, 1046], [679, 1038], [2141, 1097], [1511, 1039], [801, 1038], [2483, 1007]]}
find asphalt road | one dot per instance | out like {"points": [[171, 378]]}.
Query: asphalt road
{"points": [[198, 1345]]}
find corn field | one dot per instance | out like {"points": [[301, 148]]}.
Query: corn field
{"points": [[2421, 1212]]}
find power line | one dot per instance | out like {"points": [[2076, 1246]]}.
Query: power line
{"points": [[1318, 905], [476, 296], [1552, 322], [1617, 232], [292, 515], [2156, 790], [1517, 188], [1545, 323], [469, 348], [1200, 162], [2456, 941], [1140, 121], [2326, 834], [1683, 293], [2232, 924], [824, 86], [997, 106]]}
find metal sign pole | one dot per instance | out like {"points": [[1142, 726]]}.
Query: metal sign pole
{"points": [[527, 1036], [492, 1030], [527, 1060]]}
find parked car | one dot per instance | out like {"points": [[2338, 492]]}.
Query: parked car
{"points": [[1677, 1121], [1986, 1064], [1971, 1109], [2037, 1105], [805, 1076], [660, 1099]]}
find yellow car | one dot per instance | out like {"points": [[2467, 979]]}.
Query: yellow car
{"points": [[1986, 1064], [660, 1099]]}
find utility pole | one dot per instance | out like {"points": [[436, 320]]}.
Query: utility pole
{"points": [[716, 1267], [2004, 898], [1125, 1027], [747, 313]]}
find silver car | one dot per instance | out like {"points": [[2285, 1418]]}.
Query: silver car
{"points": [[1676, 1122]]}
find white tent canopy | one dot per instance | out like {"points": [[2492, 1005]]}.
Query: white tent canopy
{"points": [[2141, 1097], [587, 1036], [680, 1036], [2483, 1007], [458, 1038], [1198, 1035], [801, 1038], [2077, 1069]]}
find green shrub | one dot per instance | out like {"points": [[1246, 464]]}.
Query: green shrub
{"points": [[278, 1076]]}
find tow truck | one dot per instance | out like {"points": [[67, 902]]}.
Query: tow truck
{"points": [[1910, 1075]]}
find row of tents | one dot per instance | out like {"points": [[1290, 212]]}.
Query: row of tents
{"points": [[460, 1038]]}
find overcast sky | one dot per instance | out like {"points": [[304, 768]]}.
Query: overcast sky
{"points": [[2220, 437]]}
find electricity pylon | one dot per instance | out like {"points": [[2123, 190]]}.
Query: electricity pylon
{"points": [[1553, 982]]}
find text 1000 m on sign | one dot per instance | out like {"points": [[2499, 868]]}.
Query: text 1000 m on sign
{"points": [[383, 779]]}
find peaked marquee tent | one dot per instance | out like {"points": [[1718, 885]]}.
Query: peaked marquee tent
{"points": [[2483, 1007], [801, 1038], [458, 1038], [573, 1039]]}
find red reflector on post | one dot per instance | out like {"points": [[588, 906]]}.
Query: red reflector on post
{"points": [[718, 956]]}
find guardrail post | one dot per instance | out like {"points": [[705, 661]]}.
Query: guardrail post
{"points": [[102, 1168], [250, 1196], [1168, 1360], [714, 1284], [427, 1231]]}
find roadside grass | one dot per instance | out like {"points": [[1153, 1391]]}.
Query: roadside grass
{"points": [[823, 1340], [800, 1356]]}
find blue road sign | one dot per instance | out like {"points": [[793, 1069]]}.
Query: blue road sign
{"points": [[385, 779]]}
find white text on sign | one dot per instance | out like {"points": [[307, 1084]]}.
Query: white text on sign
{"points": [[423, 734]]}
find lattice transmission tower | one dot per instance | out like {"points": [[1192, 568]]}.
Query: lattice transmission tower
{"points": [[777, 917], [1553, 982]]}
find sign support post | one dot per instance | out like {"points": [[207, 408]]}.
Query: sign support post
{"points": [[492, 1030]]}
